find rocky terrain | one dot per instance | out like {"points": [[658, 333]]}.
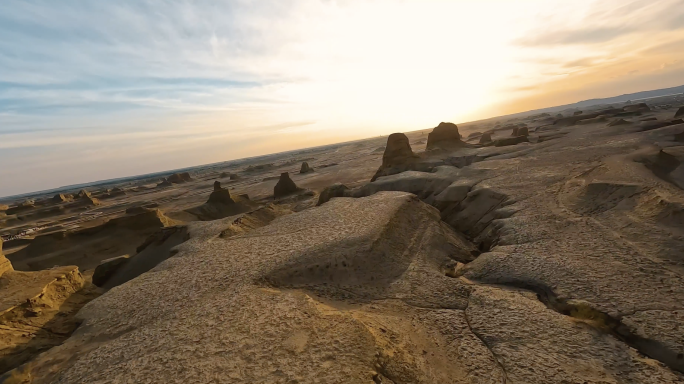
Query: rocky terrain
{"points": [[530, 249]]}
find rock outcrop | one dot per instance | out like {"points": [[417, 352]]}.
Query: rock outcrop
{"points": [[679, 113], [398, 156], [60, 198], [221, 204], [178, 178], [107, 268], [514, 133], [486, 138], [165, 183], [305, 168], [444, 136], [523, 131], [510, 141], [220, 195], [335, 190], [83, 193], [285, 186]]}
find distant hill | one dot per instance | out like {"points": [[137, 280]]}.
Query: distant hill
{"points": [[638, 96]]}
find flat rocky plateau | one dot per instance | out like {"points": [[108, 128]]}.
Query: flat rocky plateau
{"points": [[550, 250]]}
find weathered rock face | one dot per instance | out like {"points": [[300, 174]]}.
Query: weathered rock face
{"points": [[5, 264], [398, 156], [514, 132], [335, 190], [397, 151], [305, 168], [679, 113], [486, 138], [523, 131], [285, 186], [83, 193], [444, 136], [108, 268]]}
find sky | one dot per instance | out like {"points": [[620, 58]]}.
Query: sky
{"points": [[93, 90]]}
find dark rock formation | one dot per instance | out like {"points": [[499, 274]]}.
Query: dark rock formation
{"points": [[398, 156], [577, 113], [108, 268], [305, 168], [514, 133], [485, 138], [165, 183], [444, 136], [510, 141], [220, 195], [285, 186], [523, 131], [679, 113], [335, 190], [83, 193], [60, 198]]}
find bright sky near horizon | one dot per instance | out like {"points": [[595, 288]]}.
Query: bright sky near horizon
{"points": [[92, 90]]}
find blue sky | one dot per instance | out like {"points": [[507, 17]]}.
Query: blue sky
{"points": [[94, 90]]}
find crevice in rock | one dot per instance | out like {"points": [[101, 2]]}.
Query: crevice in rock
{"points": [[484, 342], [584, 311]]}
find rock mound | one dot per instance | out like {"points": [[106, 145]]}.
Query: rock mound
{"points": [[165, 183], [178, 178], [285, 186], [83, 193], [60, 198], [444, 136], [305, 168], [486, 138]]}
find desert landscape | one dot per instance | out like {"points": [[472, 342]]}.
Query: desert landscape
{"points": [[542, 247]]}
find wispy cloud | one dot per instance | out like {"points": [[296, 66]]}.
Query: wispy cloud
{"points": [[136, 86]]}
